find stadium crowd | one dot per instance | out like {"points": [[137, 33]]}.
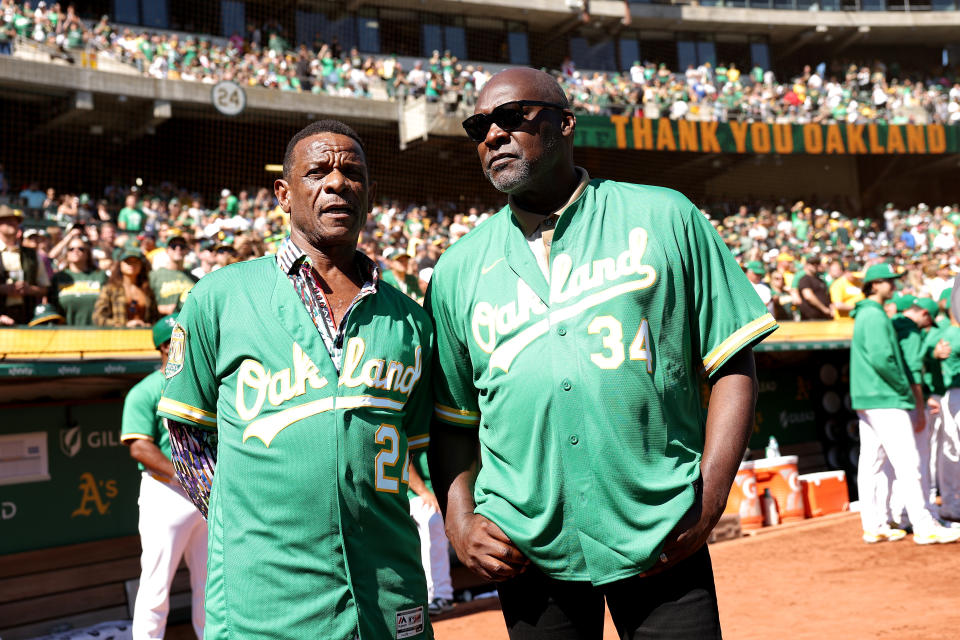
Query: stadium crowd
{"points": [[842, 91], [806, 261]]}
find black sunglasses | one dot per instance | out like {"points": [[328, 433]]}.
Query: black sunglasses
{"points": [[508, 116]]}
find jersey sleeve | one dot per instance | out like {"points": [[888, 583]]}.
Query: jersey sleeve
{"points": [[930, 340], [190, 393], [884, 354], [454, 394], [728, 315], [194, 457], [139, 421]]}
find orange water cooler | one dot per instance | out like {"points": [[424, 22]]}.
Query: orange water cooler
{"points": [[824, 493], [781, 477], [743, 499]]}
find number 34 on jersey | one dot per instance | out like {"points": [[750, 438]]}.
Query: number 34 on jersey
{"points": [[613, 351]]}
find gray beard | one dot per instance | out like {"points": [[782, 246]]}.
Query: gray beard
{"points": [[522, 171], [508, 182]]}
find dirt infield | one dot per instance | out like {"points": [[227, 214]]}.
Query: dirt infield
{"points": [[813, 580]]}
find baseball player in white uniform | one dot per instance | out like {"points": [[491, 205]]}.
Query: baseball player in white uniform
{"points": [[170, 526], [434, 547]]}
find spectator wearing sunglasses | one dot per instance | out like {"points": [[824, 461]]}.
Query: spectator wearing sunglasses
{"points": [[77, 286], [574, 329], [171, 282]]}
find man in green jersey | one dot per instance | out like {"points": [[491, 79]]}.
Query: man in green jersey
{"points": [[913, 325], [574, 330], [300, 384], [882, 395], [170, 526]]}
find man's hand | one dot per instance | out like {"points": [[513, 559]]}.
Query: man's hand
{"points": [[689, 534], [933, 406], [6, 320], [136, 323], [484, 548], [729, 422], [419, 487], [431, 500], [919, 420]]}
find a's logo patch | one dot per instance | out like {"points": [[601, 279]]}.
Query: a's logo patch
{"points": [[178, 344], [409, 622]]}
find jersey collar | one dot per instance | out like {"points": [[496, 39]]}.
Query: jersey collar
{"points": [[290, 256], [529, 221]]}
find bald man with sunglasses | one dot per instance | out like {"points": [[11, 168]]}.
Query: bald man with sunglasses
{"points": [[574, 330]]}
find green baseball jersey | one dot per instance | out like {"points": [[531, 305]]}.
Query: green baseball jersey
{"points": [[932, 367], [951, 366], [879, 377], [310, 531], [586, 389], [170, 284], [910, 338], [140, 420]]}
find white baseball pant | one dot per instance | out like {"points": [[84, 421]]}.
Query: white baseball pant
{"points": [[887, 434], [434, 549], [923, 441], [947, 455], [171, 527]]}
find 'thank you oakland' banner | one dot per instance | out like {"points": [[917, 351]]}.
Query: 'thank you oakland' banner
{"points": [[625, 132]]}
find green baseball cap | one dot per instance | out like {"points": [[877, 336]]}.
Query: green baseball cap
{"points": [[881, 271], [926, 303], [46, 314], [904, 302], [130, 252], [163, 329], [756, 266]]}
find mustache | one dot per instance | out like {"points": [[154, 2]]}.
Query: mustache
{"points": [[338, 204]]}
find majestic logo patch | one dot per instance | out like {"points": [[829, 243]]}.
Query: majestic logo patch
{"points": [[178, 345], [409, 622]]}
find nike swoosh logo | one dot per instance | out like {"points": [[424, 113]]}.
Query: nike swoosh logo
{"points": [[490, 266]]}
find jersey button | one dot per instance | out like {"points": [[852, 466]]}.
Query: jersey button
{"points": [[562, 331], [574, 439], [566, 385]]}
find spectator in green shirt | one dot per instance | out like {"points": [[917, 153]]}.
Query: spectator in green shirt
{"points": [[77, 286], [131, 217], [23, 22], [170, 283], [397, 276]]}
